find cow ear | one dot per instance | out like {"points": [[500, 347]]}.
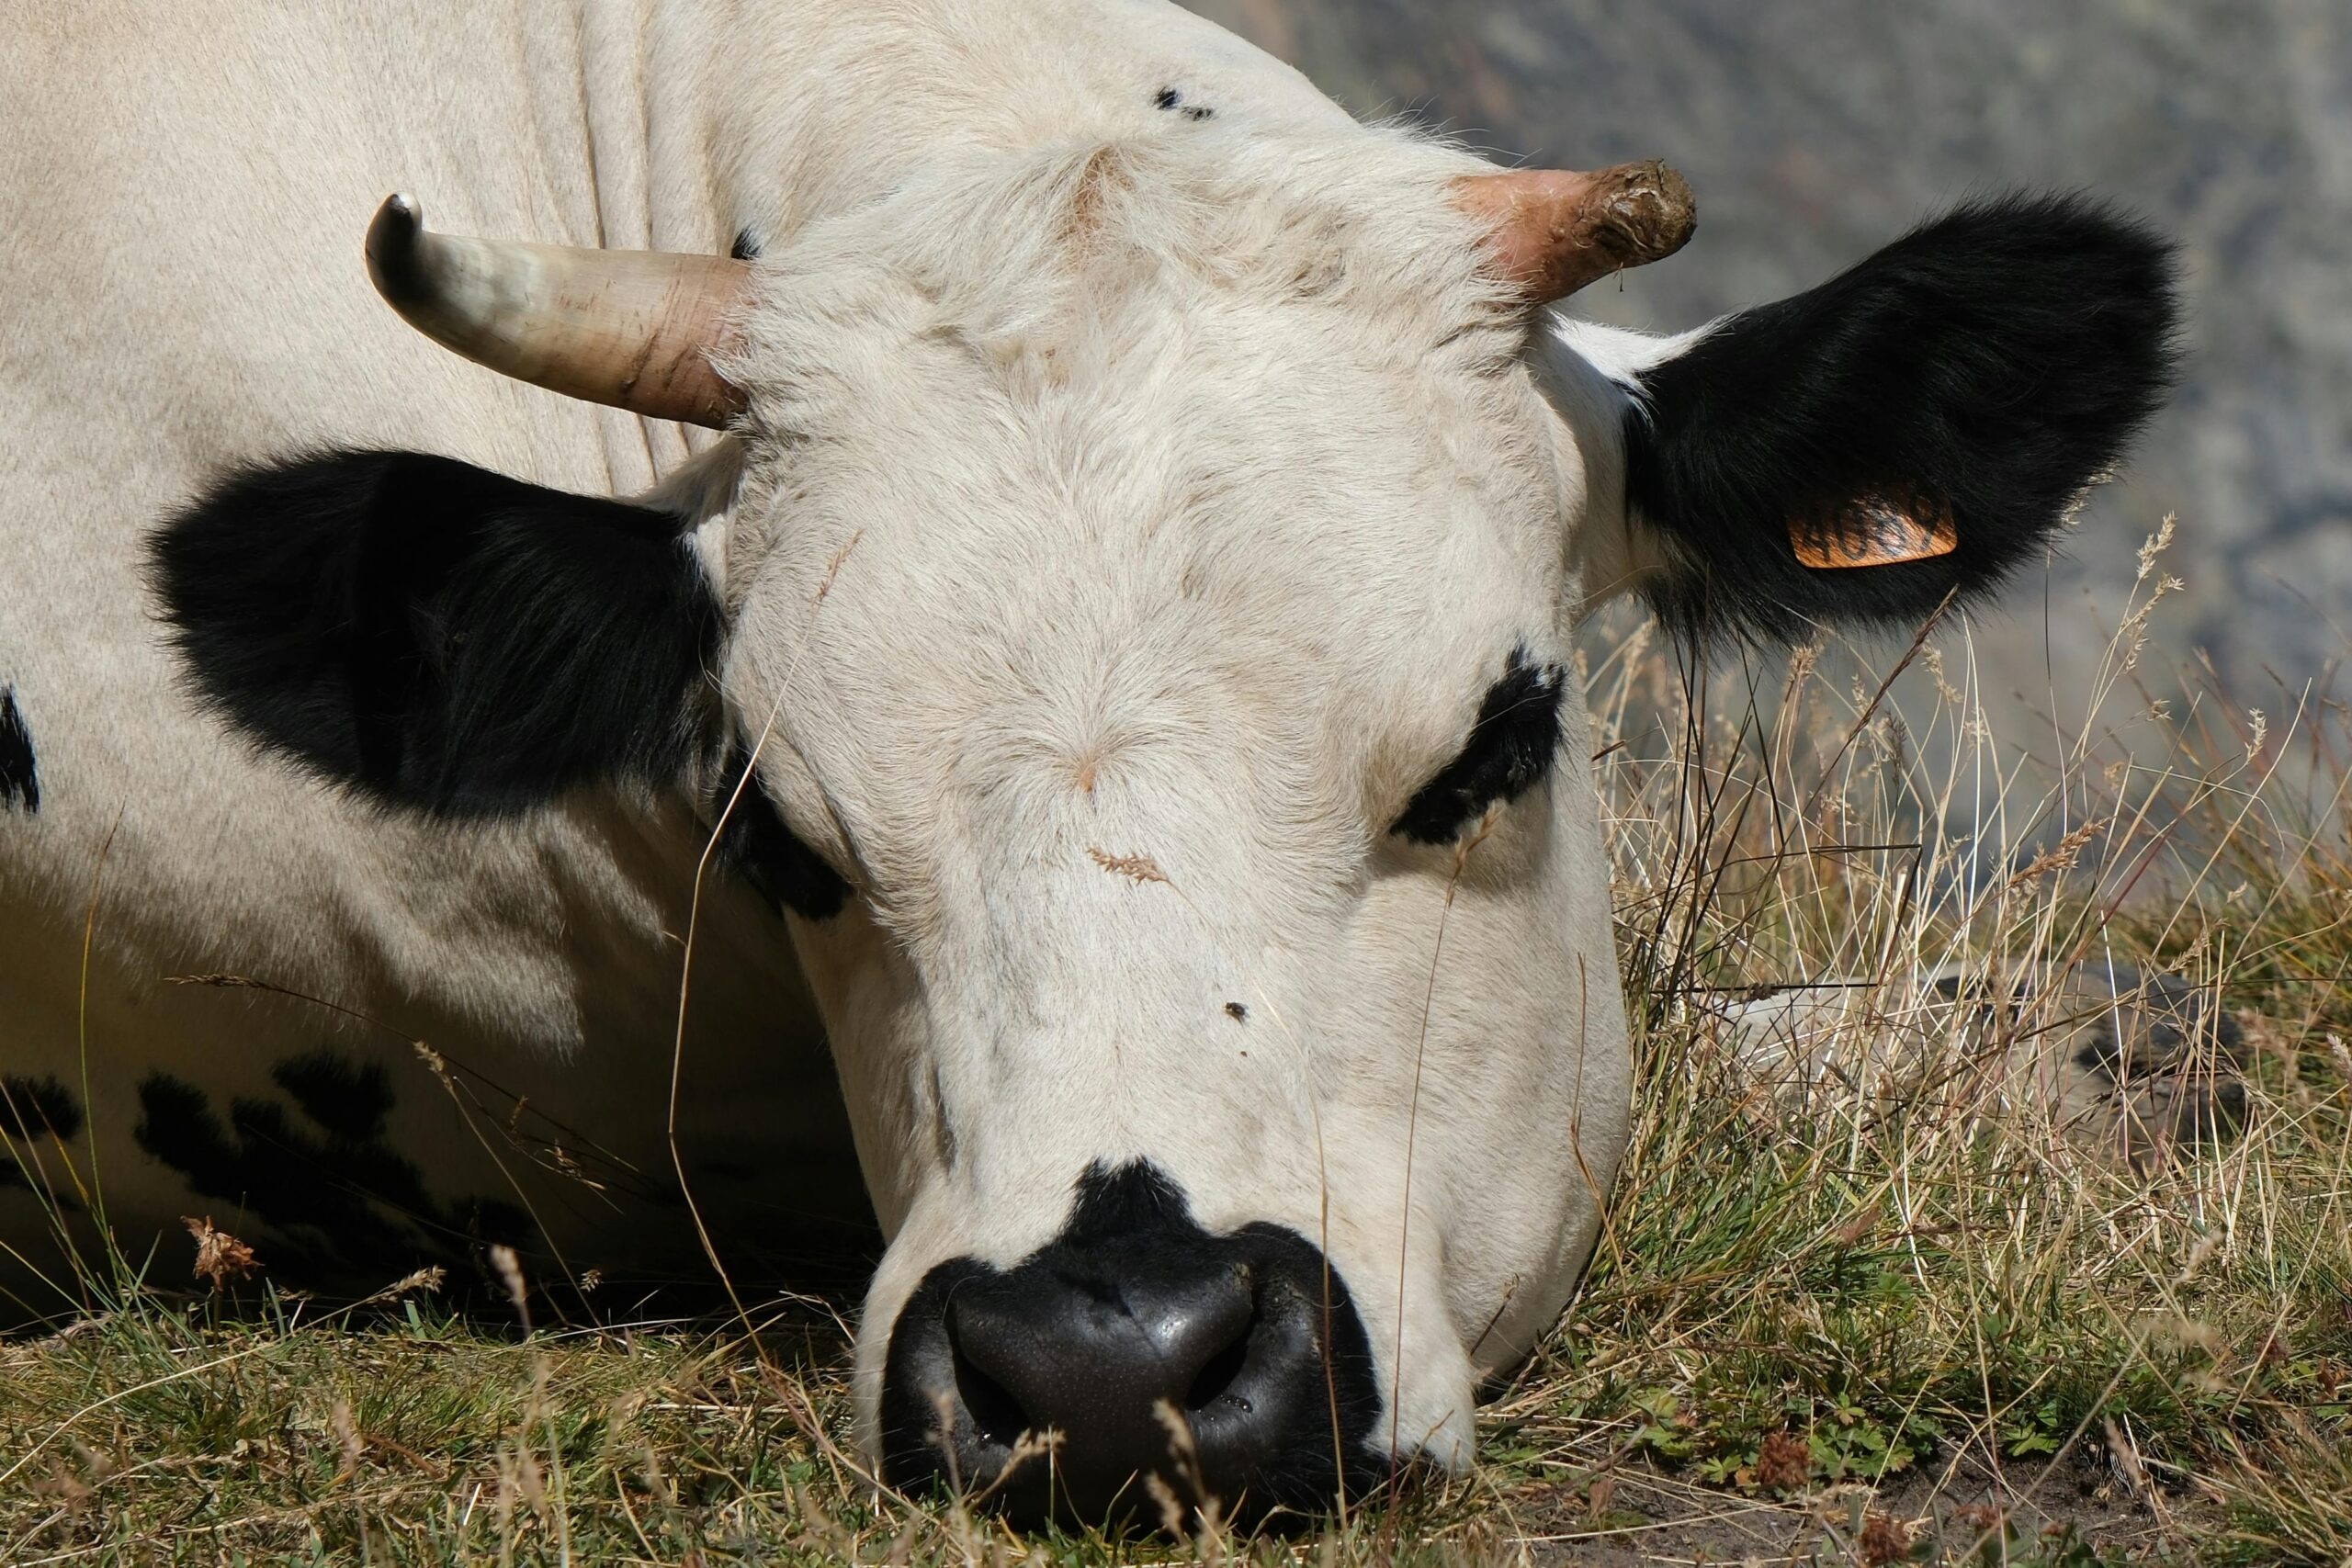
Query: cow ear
{"points": [[1908, 433], [438, 637]]}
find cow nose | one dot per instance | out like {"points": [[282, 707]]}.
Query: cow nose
{"points": [[1218, 1364], [1109, 1369]]}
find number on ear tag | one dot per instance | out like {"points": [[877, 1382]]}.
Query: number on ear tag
{"points": [[1874, 529]]}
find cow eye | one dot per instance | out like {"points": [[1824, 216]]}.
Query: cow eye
{"points": [[758, 845], [1509, 750]]}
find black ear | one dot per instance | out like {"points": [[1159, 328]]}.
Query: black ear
{"points": [[438, 635], [1938, 408]]}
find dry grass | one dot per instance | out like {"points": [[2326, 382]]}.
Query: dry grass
{"points": [[1875, 1327]]}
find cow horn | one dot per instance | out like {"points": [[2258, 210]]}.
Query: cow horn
{"points": [[1553, 230], [634, 328]]}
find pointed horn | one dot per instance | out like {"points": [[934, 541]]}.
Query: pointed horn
{"points": [[634, 328], [1553, 230]]}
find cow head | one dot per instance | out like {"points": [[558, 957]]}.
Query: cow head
{"points": [[1128, 629]]}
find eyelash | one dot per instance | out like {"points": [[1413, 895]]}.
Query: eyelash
{"points": [[1509, 750]]}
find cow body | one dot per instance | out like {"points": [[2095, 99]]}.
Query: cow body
{"points": [[1123, 638], [207, 169], [212, 167]]}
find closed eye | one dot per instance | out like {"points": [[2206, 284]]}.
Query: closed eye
{"points": [[1509, 750], [758, 845]]}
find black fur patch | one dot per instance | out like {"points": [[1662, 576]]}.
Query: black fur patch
{"points": [[336, 1196], [1126, 1201], [349, 1102], [33, 1111], [19, 769], [1988, 365], [746, 246], [1509, 750], [438, 635], [760, 847], [1172, 100], [38, 1108]]}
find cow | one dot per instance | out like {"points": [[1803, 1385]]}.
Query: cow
{"points": [[980, 628]]}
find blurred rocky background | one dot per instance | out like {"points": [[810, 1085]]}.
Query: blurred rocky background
{"points": [[1814, 131]]}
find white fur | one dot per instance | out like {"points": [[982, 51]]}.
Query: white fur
{"points": [[1588, 374], [1116, 484], [181, 289]]}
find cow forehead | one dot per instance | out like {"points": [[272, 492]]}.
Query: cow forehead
{"points": [[1077, 539], [1156, 439], [1137, 335]]}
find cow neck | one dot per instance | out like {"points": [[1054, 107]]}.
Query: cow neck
{"points": [[617, 110]]}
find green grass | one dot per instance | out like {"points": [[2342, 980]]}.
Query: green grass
{"points": [[1870, 1324]]}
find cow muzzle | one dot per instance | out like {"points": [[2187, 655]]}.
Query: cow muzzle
{"points": [[1136, 1367]]}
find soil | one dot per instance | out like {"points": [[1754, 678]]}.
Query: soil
{"points": [[1656, 1516]]}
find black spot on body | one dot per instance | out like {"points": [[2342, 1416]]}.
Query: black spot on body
{"points": [[177, 1127], [1509, 750], [336, 1197], [34, 1112], [350, 1102], [760, 847], [19, 768], [1983, 369], [746, 246], [1172, 101], [38, 1108]]}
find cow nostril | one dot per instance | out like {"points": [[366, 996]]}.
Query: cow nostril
{"points": [[1214, 1381], [996, 1414]]}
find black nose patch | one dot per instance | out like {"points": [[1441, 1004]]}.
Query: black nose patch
{"points": [[1232, 1367]]}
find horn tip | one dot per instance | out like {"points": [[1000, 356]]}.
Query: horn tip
{"points": [[1656, 207], [393, 238]]}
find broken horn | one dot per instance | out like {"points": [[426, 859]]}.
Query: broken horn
{"points": [[636, 329], [1550, 231]]}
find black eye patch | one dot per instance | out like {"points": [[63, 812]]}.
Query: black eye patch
{"points": [[1509, 750], [760, 847]]}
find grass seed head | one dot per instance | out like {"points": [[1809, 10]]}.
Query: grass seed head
{"points": [[509, 1269], [1137, 869], [220, 1257]]}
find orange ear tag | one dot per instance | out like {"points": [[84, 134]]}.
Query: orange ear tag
{"points": [[1872, 529]]}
